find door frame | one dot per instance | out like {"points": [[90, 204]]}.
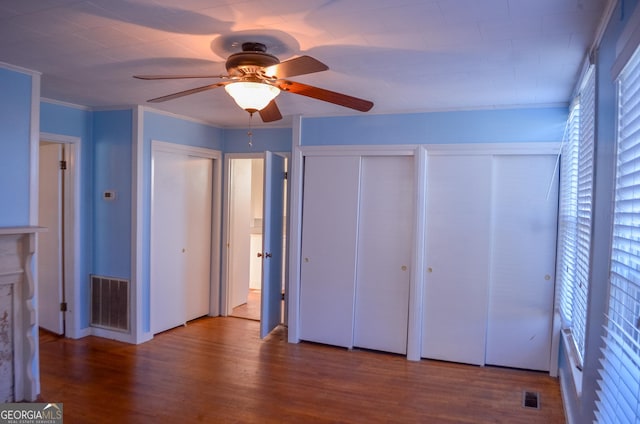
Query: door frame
{"points": [[72, 222], [215, 156], [225, 291]]}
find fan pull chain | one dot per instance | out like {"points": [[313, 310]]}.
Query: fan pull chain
{"points": [[250, 133]]}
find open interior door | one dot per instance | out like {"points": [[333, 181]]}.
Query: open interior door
{"points": [[50, 242], [272, 230]]}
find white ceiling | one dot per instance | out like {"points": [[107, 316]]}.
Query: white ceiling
{"points": [[404, 55]]}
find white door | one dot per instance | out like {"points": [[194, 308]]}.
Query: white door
{"points": [[524, 206], [384, 253], [272, 243], [49, 249], [457, 258], [198, 198], [329, 229], [167, 243], [180, 239]]}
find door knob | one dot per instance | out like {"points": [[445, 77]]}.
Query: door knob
{"points": [[259, 254], [267, 255]]}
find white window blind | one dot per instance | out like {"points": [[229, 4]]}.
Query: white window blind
{"points": [[576, 188], [568, 213], [584, 202], [619, 393]]}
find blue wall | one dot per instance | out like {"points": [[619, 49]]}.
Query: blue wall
{"points": [[66, 120], [483, 126], [263, 139], [163, 127], [15, 126], [112, 135]]}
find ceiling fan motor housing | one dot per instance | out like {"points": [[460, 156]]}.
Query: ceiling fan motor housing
{"points": [[250, 60]]}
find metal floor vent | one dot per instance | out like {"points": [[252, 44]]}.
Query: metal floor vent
{"points": [[531, 400], [110, 303]]}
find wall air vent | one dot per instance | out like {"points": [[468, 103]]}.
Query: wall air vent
{"points": [[110, 303]]}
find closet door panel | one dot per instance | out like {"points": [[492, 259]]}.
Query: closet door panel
{"points": [[525, 199], [329, 235], [180, 239], [384, 253], [457, 258], [168, 242], [197, 190]]}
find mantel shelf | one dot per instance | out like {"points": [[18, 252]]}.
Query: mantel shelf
{"points": [[21, 230]]}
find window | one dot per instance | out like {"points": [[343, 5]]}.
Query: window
{"points": [[620, 373], [568, 214], [576, 188]]}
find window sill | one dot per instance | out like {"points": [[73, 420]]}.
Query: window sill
{"points": [[572, 359]]}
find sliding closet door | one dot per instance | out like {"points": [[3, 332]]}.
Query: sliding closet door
{"points": [[167, 243], [524, 206], [198, 193], [457, 258], [180, 239], [329, 229], [384, 253]]}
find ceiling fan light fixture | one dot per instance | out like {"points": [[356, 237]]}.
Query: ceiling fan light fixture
{"points": [[252, 96]]}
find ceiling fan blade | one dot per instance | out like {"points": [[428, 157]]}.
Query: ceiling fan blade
{"points": [[166, 77], [325, 95], [271, 112], [297, 66], [187, 92]]}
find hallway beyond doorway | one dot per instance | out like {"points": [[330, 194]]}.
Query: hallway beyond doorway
{"points": [[251, 309]]}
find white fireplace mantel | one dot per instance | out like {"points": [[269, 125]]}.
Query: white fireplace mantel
{"points": [[19, 375]]}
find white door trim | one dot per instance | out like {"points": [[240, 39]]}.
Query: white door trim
{"points": [[72, 218]]}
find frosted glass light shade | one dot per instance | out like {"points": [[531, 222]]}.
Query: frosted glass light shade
{"points": [[252, 96]]}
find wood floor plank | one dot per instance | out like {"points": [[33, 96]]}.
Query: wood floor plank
{"points": [[218, 370]]}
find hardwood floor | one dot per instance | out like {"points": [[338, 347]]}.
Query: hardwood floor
{"points": [[217, 370], [251, 309]]}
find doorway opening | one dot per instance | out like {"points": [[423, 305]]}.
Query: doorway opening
{"points": [[245, 236], [56, 267], [245, 244]]}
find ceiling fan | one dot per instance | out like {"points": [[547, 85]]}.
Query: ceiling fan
{"points": [[256, 77]]}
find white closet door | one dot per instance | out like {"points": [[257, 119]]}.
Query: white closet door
{"points": [[524, 209], [167, 243], [457, 258], [198, 191], [180, 239], [329, 229], [384, 253]]}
